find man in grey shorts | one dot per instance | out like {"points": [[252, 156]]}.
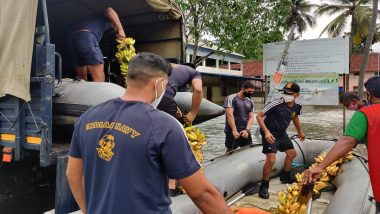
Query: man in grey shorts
{"points": [[83, 43], [239, 117]]}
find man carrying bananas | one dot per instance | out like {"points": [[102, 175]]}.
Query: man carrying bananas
{"points": [[83, 43], [363, 126], [112, 170], [182, 76], [278, 115], [239, 117]]}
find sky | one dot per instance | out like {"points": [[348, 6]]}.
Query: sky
{"points": [[313, 33]]}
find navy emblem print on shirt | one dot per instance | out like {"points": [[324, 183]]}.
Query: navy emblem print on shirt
{"points": [[106, 145]]}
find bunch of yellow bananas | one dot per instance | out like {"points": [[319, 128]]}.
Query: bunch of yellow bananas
{"points": [[196, 140], [125, 52], [288, 202]]}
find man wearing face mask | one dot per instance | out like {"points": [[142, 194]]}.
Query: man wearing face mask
{"points": [[239, 117], [278, 115], [364, 125], [352, 101], [121, 154]]}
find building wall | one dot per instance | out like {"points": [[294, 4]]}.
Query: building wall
{"points": [[354, 80]]}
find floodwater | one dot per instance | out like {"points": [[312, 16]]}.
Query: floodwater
{"points": [[318, 122]]}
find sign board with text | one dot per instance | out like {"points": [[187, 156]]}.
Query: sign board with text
{"points": [[316, 88], [309, 56]]}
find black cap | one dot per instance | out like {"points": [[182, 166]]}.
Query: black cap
{"points": [[291, 88]]}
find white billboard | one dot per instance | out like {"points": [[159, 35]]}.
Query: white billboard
{"points": [[309, 56]]}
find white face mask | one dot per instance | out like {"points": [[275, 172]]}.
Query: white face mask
{"points": [[157, 100], [288, 98]]}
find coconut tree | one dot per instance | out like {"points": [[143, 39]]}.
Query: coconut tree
{"points": [[300, 15], [368, 43], [299, 19], [354, 11]]}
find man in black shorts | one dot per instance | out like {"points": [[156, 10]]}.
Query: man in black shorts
{"points": [[278, 115], [239, 117], [181, 76], [83, 43]]}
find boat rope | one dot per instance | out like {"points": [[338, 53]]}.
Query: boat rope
{"points": [[303, 154], [363, 161]]}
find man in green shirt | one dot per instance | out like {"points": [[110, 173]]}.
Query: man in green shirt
{"points": [[365, 124], [357, 128]]}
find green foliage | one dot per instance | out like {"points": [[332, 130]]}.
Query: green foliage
{"points": [[357, 10], [236, 25]]}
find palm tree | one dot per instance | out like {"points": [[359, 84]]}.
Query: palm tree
{"points": [[356, 10], [299, 18], [368, 43], [300, 15]]}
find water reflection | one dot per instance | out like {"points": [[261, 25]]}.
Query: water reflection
{"points": [[318, 122]]}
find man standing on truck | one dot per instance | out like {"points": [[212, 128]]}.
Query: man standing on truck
{"points": [[83, 43], [121, 154], [278, 115], [181, 76]]}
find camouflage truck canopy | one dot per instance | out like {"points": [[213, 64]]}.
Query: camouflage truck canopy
{"points": [[17, 21]]}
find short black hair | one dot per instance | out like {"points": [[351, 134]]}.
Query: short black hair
{"points": [[347, 97], [373, 86], [247, 84], [145, 66]]}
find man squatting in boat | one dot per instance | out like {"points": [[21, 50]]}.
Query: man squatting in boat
{"points": [[180, 78], [278, 115], [83, 43], [124, 167], [363, 126], [239, 117]]}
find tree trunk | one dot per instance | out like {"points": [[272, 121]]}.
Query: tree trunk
{"points": [[270, 95], [350, 50], [203, 58], [287, 45], [367, 47]]}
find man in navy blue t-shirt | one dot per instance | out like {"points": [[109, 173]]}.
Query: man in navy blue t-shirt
{"points": [[126, 149], [182, 76], [239, 117], [83, 43], [278, 115]]}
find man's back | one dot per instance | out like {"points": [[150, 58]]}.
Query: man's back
{"points": [[97, 24], [180, 77], [127, 156]]}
